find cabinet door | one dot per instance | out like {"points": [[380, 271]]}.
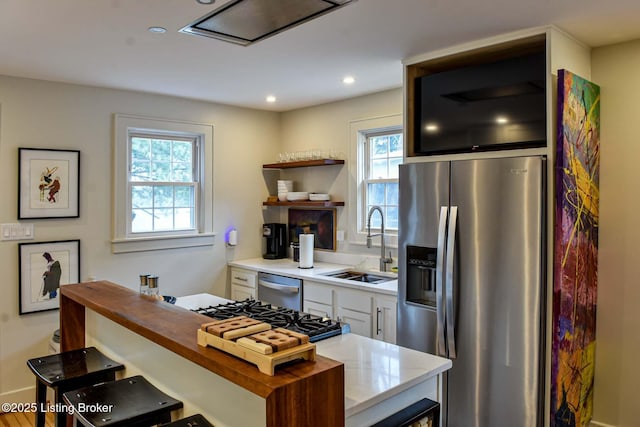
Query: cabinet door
{"points": [[317, 309], [385, 319], [239, 292], [360, 323]]}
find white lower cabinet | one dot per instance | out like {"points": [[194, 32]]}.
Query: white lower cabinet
{"points": [[355, 308], [243, 284], [317, 299], [369, 314], [385, 318]]}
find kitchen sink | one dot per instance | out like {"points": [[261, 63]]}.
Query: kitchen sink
{"points": [[358, 276]]}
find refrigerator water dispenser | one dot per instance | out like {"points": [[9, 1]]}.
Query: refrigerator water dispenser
{"points": [[421, 275]]}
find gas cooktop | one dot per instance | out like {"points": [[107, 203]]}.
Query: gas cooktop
{"points": [[316, 327]]}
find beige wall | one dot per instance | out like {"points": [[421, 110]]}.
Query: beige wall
{"points": [[327, 127], [617, 69], [50, 115]]}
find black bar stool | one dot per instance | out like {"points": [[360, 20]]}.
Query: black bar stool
{"points": [[192, 421], [130, 402], [68, 371]]}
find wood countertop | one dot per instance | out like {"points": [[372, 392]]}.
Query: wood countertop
{"points": [[175, 329]]}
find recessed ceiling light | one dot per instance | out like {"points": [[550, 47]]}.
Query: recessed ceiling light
{"points": [[206, 1], [271, 99], [157, 30], [348, 80], [501, 120]]}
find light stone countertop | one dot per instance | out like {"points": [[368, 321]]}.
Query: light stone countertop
{"points": [[374, 370], [287, 267]]}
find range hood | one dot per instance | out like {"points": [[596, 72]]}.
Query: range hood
{"points": [[247, 21]]}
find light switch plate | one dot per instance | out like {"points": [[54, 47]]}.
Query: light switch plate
{"points": [[16, 231]]}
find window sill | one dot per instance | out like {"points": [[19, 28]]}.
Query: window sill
{"points": [[141, 244]]}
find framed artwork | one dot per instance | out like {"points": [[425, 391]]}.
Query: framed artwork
{"points": [[48, 183], [44, 267], [320, 222], [575, 281]]}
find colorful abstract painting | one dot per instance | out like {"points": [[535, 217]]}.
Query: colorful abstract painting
{"points": [[576, 251]]}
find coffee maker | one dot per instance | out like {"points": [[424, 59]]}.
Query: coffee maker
{"points": [[276, 238]]}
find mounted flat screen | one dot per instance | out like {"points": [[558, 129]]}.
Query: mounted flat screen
{"points": [[489, 106]]}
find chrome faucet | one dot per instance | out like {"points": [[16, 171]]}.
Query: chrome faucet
{"points": [[383, 260]]}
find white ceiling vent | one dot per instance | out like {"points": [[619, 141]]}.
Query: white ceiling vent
{"points": [[248, 21]]}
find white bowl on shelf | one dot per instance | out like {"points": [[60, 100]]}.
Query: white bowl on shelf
{"points": [[319, 197], [282, 196], [297, 196]]}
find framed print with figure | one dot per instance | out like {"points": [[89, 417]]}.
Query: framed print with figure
{"points": [[48, 183], [44, 267]]}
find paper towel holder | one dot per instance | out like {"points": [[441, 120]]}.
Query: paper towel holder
{"points": [[305, 260]]}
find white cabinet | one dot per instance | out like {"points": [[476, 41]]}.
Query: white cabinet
{"points": [[385, 318], [317, 299], [368, 313], [243, 284], [355, 308]]}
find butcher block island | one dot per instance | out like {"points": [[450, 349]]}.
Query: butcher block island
{"points": [[159, 340]]}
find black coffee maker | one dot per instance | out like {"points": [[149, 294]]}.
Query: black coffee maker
{"points": [[276, 235]]}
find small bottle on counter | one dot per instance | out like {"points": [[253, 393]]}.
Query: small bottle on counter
{"points": [[144, 284], [152, 281]]}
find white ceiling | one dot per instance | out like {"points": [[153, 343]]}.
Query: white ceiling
{"points": [[106, 43]]}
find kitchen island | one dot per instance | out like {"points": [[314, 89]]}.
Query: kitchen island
{"points": [[158, 340]]}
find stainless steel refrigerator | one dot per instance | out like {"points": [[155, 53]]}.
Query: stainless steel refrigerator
{"points": [[472, 283]]}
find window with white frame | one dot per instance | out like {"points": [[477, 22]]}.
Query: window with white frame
{"points": [[163, 184], [382, 153], [376, 150], [164, 181]]}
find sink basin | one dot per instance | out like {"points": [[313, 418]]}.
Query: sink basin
{"points": [[358, 276]]}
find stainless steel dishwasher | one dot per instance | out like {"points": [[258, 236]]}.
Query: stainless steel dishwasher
{"points": [[280, 291]]}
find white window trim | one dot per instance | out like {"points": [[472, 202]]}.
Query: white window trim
{"points": [[203, 235], [357, 137]]}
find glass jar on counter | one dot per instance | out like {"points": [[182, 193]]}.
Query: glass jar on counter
{"points": [[153, 285], [144, 284]]}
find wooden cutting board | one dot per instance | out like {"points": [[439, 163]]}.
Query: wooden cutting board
{"points": [[235, 327], [272, 341]]}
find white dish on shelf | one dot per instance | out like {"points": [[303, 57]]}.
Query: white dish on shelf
{"points": [[282, 197], [319, 197], [297, 196]]}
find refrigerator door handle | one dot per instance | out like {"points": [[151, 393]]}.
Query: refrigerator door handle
{"points": [[440, 314], [451, 253]]}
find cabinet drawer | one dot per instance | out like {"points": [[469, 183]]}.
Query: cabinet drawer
{"points": [[356, 301], [244, 277], [321, 294]]}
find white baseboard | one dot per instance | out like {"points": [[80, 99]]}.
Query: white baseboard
{"points": [[23, 395], [599, 424]]}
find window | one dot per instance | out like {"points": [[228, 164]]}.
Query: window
{"points": [[382, 154], [376, 150], [163, 184]]}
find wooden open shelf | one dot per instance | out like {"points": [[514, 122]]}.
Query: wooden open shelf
{"points": [[305, 203], [303, 163]]}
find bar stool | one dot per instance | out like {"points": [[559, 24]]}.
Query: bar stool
{"points": [[192, 421], [68, 371], [130, 402]]}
